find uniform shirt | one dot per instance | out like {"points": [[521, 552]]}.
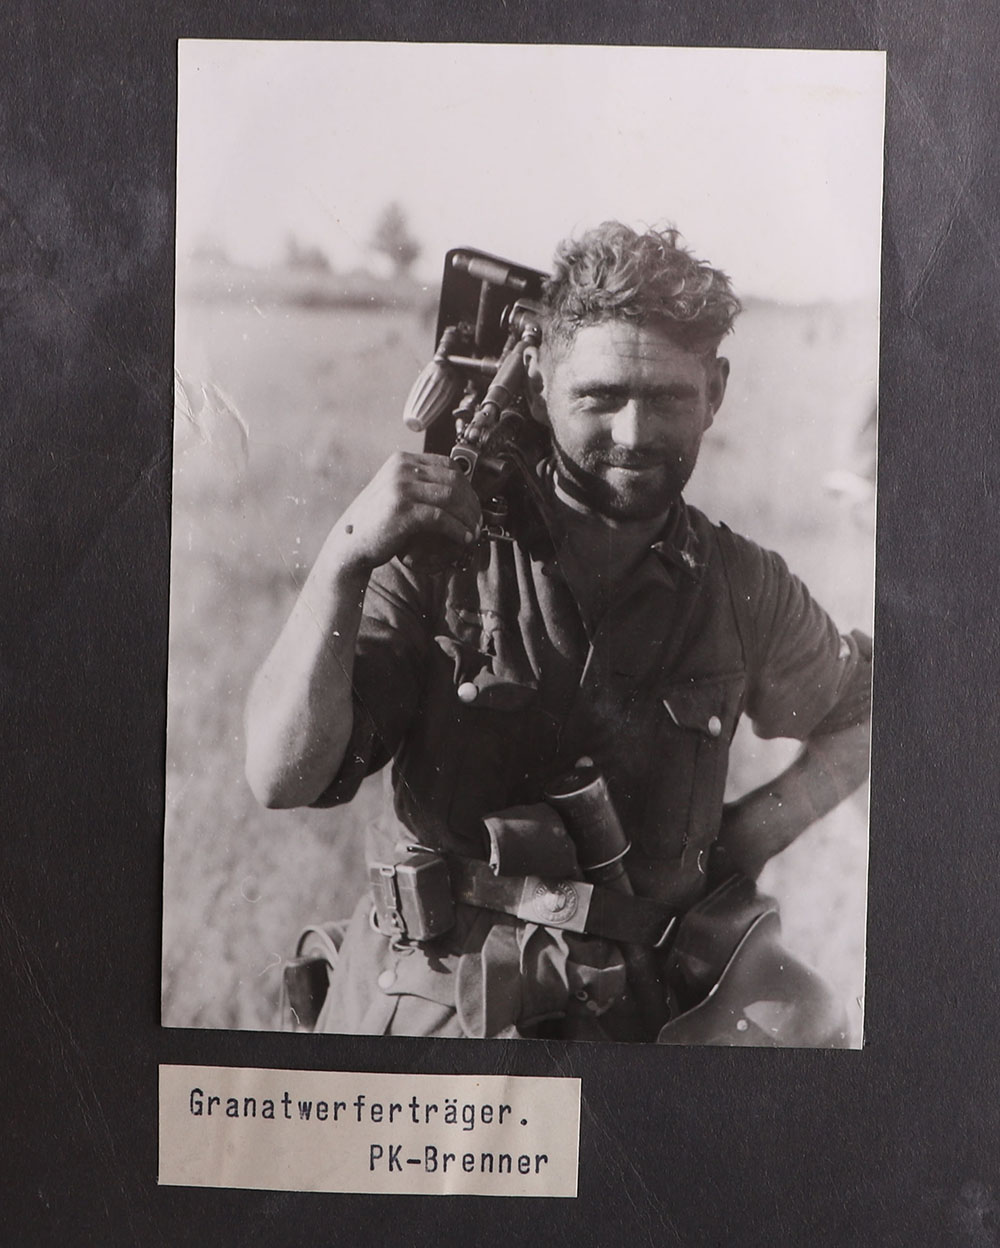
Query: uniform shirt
{"points": [[707, 626]]}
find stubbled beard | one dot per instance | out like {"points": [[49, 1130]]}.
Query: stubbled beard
{"points": [[643, 501]]}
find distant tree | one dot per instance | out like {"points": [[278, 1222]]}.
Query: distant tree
{"points": [[305, 256], [392, 239]]}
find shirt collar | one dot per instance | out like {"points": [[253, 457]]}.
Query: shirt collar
{"points": [[679, 546], [679, 549]]}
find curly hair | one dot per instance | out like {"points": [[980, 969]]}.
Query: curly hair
{"points": [[613, 273]]}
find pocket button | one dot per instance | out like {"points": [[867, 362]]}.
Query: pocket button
{"points": [[714, 726]]}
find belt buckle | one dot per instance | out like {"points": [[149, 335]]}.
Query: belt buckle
{"points": [[563, 904]]}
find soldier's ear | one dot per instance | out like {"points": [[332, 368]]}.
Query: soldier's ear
{"points": [[535, 385], [717, 380]]}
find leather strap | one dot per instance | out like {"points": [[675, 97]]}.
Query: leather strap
{"points": [[569, 905], [739, 598]]}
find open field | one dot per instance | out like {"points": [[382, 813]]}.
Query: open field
{"points": [[304, 408]]}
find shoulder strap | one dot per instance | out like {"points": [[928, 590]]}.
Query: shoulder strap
{"points": [[739, 594]]}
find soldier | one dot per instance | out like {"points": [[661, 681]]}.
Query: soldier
{"points": [[617, 641]]}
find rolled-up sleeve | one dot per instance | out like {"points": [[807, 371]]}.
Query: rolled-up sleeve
{"points": [[390, 658], [806, 678]]}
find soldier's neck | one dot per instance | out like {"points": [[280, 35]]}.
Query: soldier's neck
{"points": [[598, 554]]}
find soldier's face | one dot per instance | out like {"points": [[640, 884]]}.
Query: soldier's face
{"points": [[628, 408]]}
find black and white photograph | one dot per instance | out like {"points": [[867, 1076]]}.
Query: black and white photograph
{"points": [[301, 785], [522, 542]]}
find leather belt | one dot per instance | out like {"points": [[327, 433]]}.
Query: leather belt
{"points": [[570, 905]]}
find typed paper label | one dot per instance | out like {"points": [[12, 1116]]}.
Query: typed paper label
{"points": [[336, 1131]]}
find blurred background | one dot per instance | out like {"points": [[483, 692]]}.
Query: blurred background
{"points": [[319, 186]]}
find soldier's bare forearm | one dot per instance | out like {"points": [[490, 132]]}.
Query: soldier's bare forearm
{"points": [[768, 819], [300, 710]]}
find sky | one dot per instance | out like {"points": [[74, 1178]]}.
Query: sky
{"points": [[769, 162]]}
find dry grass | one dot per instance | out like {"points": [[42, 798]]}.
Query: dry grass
{"points": [[317, 395]]}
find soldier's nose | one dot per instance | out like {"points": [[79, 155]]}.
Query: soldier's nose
{"points": [[632, 425]]}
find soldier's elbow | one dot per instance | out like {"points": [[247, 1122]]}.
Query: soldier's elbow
{"points": [[285, 781], [270, 787], [269, 763], [276, 773]]}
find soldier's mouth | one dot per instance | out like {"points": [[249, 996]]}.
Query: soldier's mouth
{"points": [[632, 465]]}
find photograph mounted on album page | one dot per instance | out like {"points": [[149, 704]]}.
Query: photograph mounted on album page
{"points": [[522, 562]]}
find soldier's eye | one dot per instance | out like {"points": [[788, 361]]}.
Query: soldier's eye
{"points": [[606, 400]]}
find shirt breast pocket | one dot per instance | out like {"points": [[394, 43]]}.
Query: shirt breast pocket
{"points": [[694, 722]]}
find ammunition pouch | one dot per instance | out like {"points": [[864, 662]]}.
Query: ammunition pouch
{"points": [[412, 897], [530, 840]]}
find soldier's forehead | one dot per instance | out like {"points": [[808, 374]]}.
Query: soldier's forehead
{"points": [[623, 344]]}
